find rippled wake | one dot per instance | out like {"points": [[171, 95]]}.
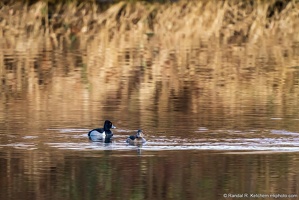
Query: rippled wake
{"points": [[76, 139]]}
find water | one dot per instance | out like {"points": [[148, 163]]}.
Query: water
{"points": [[212, 128]]}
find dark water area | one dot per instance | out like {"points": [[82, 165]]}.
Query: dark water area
{"points": [[213, 130], [174, 174]]}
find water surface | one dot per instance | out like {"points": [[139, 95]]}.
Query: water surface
{"points": [[212, 128]]}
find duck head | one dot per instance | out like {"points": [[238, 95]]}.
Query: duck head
{"points": [[139, 134], [108, 125]]}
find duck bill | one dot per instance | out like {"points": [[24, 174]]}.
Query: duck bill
{"points": [[113, 126]]}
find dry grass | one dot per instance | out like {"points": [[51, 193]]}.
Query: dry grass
{"points": [[187, 22], [219, 47]]}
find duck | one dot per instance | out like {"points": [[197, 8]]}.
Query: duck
{"points": [[102, 134], [136, 139]]}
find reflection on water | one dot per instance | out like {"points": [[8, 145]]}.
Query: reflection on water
{"points": [[216, 121], [154, 175]]}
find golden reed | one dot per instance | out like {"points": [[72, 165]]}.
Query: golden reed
{"points": [[220, 47]]}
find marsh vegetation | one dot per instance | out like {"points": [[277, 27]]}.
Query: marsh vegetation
{"points": [[212, 48], [225, 72]]}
